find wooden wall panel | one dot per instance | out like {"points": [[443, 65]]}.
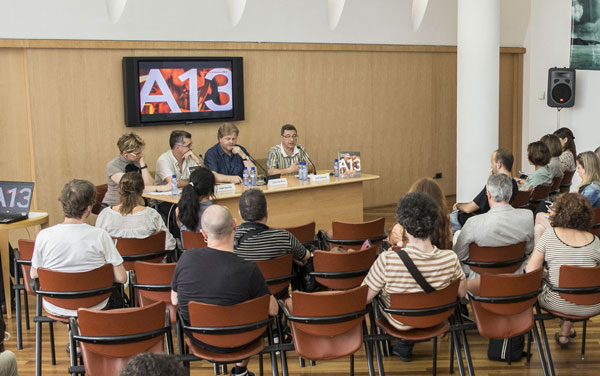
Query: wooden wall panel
{"points": [[396, 104]]}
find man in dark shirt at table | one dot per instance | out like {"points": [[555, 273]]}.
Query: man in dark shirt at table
{"points": [[502, 162], [215, 275], [226, 157]]}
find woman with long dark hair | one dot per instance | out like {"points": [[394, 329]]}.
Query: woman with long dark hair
{"points": [[195, 198], [567, 140]]}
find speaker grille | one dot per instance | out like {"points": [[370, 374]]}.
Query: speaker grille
{"points": [[561, 93]]}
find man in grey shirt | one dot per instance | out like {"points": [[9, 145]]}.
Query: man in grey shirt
{"points": [[502, 225]]}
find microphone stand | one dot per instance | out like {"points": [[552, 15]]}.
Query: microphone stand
{"points": [[310, 160], [267, 176]]}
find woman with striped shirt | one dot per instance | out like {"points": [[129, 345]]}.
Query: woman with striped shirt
{"points": [[567, 242]]}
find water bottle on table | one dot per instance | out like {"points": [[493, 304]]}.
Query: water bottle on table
{"points": [[246, 180], [336, 168], [174, 189], [253, 177]]}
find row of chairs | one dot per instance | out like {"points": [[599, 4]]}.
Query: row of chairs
{"points": [[532, 199]]}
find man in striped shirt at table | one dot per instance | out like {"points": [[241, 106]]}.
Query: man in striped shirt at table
{"points": [[255, 241]]}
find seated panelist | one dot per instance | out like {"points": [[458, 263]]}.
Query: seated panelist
{"points": [[227, 157], [285, 158], [130, 159]]}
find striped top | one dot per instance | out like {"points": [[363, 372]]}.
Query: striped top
{"points": [[268, 244], [277, 158], [556, 253], [388, 275]]}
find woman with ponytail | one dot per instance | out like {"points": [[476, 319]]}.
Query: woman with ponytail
{"points": [[195, 198], [131, 219]]}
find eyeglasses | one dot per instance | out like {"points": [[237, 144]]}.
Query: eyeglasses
{"points": [[135, 154], [292, 136], [189, 146]]}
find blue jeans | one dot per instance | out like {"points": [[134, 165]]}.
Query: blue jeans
{"points": [[454, 221]]}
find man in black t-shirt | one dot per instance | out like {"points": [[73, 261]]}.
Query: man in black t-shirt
{"points": [[215, 275], [502, 162]]}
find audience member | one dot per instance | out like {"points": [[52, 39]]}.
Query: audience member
{"points": [[567, 140], [588, 167], [285, 157], [131, 147], [8, 360], [441, 236], [227, 157], [566, 243], [501, 225], [153, 364], [215, 275], [254, 240], [418, 214], [195, 198], [554, 146], [131, 219], [502, 162], [538, 156], [74, 246]]}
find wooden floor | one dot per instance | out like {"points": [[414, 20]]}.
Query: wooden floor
{"points": [[567, 362]]}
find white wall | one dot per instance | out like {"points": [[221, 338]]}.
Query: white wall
{"points": [[363, 21], [548, 45]]}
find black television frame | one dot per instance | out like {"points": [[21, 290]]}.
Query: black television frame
{"points": [[131, 92]]}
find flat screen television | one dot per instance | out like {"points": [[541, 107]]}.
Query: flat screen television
{"points": [[167, 90]]}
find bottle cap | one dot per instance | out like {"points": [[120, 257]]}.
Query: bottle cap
{"points": [[335, 160], [174, 176]]}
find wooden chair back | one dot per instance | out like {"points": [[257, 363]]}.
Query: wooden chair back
{"points": [[304, 233], [496, 260], [579, 277], [134, 249], [26, 253], [343, 270], [521, 200], [277, 272], [100, 193], [565, 184], [192, 240]]}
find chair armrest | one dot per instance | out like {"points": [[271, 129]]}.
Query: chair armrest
{"points": [[283, 308], [34, 283]]}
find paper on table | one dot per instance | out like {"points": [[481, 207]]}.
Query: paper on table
{"points": [[163, 193], [36, 214]]}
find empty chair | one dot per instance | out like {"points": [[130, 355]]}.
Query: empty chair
{"points": [[538, 195], [238, 326], [304, 233], [496, 260], [278, 274], [342, 270], [100, 193], [328, 325], [427, 314], [69, 291], [192, 240], [521, 200], [353, 235], [151, 282], [21, 266], [503, 306], [565, 183], [109, 339]]}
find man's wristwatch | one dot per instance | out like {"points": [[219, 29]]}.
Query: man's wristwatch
{"points": [[246, 158], [146, 166]]}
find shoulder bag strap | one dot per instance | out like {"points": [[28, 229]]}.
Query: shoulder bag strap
{"points": [[412, 269], [257, 230]]}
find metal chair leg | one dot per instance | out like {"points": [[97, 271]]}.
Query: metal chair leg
{"points": [[452, 334], [545, 360], [52, 349], [434, 356], [509, 350], [351, 364], [583, 336], [19, 320], [26, 302]]}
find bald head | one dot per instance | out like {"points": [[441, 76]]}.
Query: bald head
{"points": [[217, 222]]}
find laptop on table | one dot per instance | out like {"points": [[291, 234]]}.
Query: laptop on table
{"points": [[15, 201]]}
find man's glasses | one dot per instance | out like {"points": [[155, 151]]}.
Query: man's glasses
{"points": [[189, 146], [293, 137], [135, 155]]}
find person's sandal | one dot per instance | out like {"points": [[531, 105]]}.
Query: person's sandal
{"points": [[557, 338]]}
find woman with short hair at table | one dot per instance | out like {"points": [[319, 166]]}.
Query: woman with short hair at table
{"points": [[567, 242], [130, 218], [195, 198], [130, 159]]}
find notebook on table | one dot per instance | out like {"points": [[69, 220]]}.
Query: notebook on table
{"points": [[15, 200]]}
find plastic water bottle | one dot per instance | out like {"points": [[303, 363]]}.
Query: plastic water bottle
{"points": [[336, 168], [245, 177], [174, 189], [304, 171], [253, 177], [301, 171]]}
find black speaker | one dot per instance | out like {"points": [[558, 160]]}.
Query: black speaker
{"points": [[561, 87]]}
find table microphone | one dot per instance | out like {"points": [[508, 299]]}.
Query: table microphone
{"points": [[267, 176]]}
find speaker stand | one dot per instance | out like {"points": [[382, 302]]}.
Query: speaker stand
{"points": [[558, 117]]}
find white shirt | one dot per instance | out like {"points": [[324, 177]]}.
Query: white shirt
{"points": [[167, 165], [73, 248], [138, 225]]}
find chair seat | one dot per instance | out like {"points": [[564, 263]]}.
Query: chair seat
{"points": [[313, 347], [501, 326], [568, 317], [252, 349], [415, 334], [63, 319]]}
